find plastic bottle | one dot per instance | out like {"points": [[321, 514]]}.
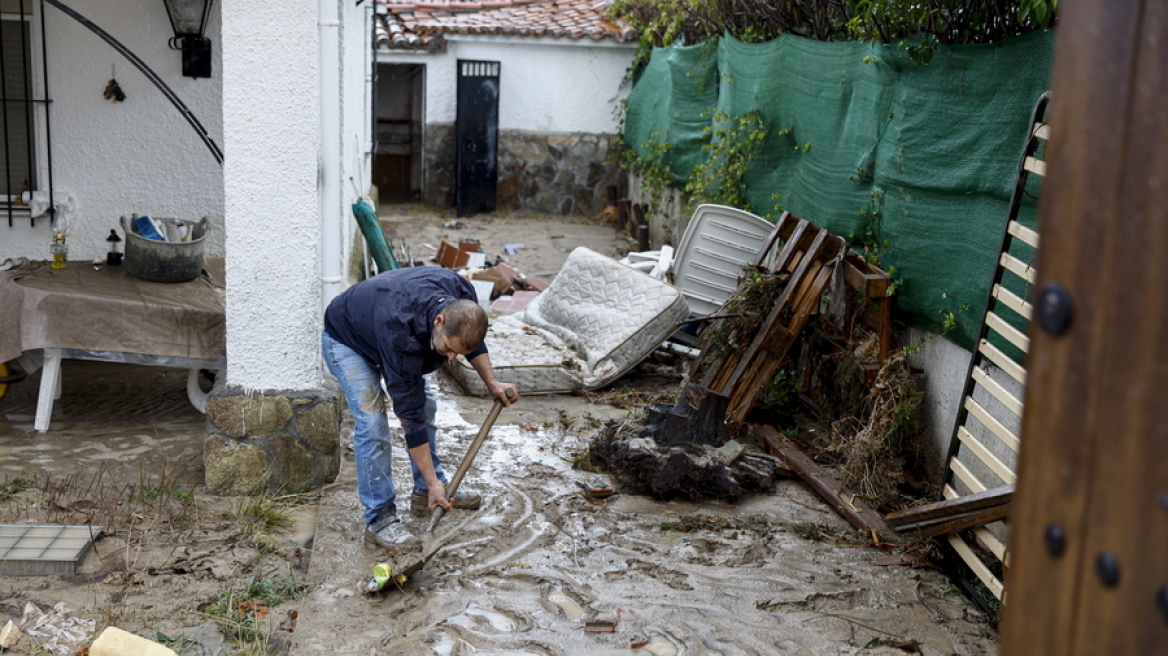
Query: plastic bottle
{"points": [[144, 227]]}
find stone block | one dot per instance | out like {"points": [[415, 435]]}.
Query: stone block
{"points": [[319, 425], [234, 469], [293, 468], [246, 415], [275, 440]]}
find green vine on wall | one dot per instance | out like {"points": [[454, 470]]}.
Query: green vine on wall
{"points": [[657, 177], [734, 142]]}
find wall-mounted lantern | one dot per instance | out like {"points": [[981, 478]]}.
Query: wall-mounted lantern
{"points": [[188, 18]]}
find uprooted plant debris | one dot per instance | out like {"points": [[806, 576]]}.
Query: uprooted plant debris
{"points": [[855, 416], [685, 471], [848, 410]]}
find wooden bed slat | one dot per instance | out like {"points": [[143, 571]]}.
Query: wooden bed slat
{"points": [[1015, 336], [997, 391], [1013, 301], [986, 456], [1002, 361]]}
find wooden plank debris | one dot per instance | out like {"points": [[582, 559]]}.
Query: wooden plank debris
{"points": [[951, 515], [959, 523], [851, 507]]}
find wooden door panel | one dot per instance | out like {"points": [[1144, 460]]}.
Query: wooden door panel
{"points": [[1094, 459]]}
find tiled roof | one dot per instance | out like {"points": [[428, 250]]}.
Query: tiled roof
{"points": [[405, 24]]}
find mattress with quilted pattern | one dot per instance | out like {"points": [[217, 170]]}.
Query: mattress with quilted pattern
{"points": [[596, 320]]}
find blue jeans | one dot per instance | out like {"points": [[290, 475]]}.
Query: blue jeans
{"points": [[361, 383]]}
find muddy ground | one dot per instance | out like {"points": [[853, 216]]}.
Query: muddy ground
{"points": [[778, 573], [529, 573]]}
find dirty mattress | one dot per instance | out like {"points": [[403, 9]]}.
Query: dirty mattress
{"points": [[596, 320]]}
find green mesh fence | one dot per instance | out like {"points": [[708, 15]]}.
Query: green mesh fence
{"points": [[918, 161]]}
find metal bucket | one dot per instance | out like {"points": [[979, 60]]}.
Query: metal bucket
{"points": [[165, 261]]}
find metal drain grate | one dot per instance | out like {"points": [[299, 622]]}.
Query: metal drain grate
{"points": [[43, 549]]}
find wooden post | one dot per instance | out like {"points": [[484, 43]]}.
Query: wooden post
{"points": [[641, 226], [624, 208], [1088, 572]]}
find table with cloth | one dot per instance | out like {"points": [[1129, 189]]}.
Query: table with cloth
{"points": [[84, 312]]}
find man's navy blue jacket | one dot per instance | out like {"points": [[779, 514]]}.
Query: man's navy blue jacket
{"points": [[389, 319]]}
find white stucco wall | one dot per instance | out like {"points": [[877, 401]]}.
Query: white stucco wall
{"points": [[271, 127], [139, 155], [546, 85]]}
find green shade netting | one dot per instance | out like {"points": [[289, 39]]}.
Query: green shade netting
{"points": [[856, 128]]}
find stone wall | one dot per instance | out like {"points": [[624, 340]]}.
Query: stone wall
{"points": [[560, 174], [272, 441]]}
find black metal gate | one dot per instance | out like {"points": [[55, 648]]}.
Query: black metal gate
{"points": [[476, 132]]}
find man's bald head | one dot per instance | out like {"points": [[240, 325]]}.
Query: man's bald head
{"points": [[467, 321]]}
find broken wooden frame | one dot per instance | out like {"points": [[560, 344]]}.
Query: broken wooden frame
{"points": [[809, 255], [952, 515], [734, 381]]}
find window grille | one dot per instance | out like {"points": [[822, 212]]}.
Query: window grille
{"points": [[18, 137]]}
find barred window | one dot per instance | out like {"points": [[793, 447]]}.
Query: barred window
{"points": [[18, 171]]}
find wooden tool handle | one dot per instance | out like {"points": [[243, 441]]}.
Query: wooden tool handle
{"points": [[452, 487]]}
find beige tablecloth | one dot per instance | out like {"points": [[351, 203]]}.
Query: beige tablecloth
{"points": [[108, 310]]}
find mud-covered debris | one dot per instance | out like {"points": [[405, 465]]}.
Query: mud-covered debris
{"points": [[601, 492], [600, 626], [10, 635], [595, 491], [690, 471], [907, 645]]}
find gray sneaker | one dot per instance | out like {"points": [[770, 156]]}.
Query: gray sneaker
{"points": [[393, 537], [463, 500]]}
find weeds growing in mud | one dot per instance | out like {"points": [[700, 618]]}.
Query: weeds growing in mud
{"points": [[244, 613], [265, 519], [12, 487]]}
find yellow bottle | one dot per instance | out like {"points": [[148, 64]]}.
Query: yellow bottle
{"points": [[59, 250]]}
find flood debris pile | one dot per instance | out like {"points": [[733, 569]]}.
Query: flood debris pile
{"points": [[682, 471], [876, 444], [803, 346]]}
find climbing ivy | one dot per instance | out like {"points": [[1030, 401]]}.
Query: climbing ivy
{"points": [[652, 165], [734, 141]]}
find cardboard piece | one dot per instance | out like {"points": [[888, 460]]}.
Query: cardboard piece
{"points": [[492, 274], [447, 254], [522, 280], [466, 254], [514, 303]]}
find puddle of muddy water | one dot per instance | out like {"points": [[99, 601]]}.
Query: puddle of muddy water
{"points": [[571, 609], [475, 617], [659, 646]]}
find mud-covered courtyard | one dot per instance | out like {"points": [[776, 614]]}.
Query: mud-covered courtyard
{"points": [[541, 568], [779, 573]]}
